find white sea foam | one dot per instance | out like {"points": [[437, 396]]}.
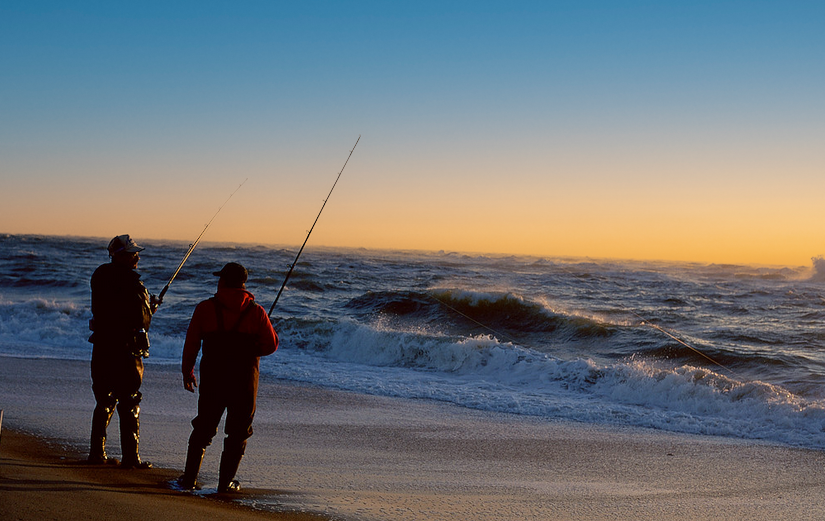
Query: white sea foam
{"points": [[42, 327], [483, 373], [48, 328]]}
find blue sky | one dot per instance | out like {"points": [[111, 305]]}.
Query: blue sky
{"points": [[567, 128]]}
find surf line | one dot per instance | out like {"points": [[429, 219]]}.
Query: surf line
{"points": [[295, 262], [194, 245]]}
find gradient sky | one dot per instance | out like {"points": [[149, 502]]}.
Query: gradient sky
{"points": [[648, 130]]}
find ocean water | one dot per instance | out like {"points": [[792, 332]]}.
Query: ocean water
{"points": [[725, 350]]}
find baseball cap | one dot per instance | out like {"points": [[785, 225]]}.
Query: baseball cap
{"points": [[232, 274], [123, 243]]}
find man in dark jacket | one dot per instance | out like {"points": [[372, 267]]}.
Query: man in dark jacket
{"points": [[235, 332], [122, 310]]}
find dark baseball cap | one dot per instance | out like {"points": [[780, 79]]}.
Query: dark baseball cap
{"points": [[232, 274], [123, 243]]}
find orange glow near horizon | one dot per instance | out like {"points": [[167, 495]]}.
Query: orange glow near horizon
{"points": [[496, 222]]}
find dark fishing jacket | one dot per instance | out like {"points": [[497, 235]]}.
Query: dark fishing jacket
{"points": [[120, 305]]}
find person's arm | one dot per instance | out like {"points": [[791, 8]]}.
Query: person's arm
{"points": [[191, 348], [267, 337]]}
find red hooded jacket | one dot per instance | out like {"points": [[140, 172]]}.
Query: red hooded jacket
{"points": [[204, 321]]}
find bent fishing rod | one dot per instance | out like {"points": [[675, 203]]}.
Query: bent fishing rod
{"points": [[194, 245], [288, 273]]}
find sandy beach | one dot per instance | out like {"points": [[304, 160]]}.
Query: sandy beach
{"points": [[343, 455]]}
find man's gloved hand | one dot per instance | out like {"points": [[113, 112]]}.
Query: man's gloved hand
{"points": [[154, 303]]}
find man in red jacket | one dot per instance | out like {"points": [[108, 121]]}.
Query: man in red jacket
{"points": [[236, 333]]}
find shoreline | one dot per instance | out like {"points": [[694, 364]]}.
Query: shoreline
{"points": [[344, 455]]}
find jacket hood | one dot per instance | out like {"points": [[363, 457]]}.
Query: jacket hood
{"points": [[234, 298]]}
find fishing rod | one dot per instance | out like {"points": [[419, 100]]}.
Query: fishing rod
{"points": [[288, 273], [194, 245]]}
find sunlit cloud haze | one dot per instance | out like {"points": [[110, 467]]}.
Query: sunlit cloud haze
{"points": [[647, 130]]}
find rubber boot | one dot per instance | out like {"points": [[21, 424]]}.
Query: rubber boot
{"points": [[230, 461], [130, 438], [97, 447], [194, 457]]}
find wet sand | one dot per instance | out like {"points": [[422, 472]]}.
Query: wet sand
{"points": [[41, 481], [351, 456]]}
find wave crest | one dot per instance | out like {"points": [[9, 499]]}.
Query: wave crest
{"points": [[468, 313]]}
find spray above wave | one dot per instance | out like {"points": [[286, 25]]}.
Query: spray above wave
{"points": [[819, 269]]}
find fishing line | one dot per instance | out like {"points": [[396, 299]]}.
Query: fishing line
{"points": [[195, 244], [471, 319], [646, 322], [288, 273]]}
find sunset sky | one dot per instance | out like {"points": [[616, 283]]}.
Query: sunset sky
{"points": [[622, 129]]}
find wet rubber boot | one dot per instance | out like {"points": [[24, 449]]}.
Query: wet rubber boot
{"points": [[230, 461], [97, 446], [130, 438], [194, 458]]}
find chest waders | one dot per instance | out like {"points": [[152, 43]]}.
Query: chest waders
{"points": [[229, 382], [121, 307]]}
